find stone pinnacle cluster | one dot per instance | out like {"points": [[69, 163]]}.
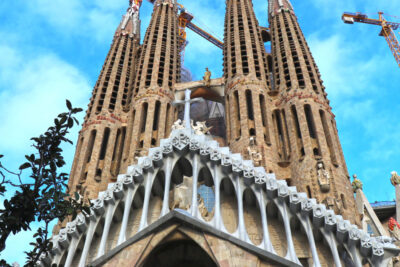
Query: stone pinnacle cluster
{"points": [[276, 107]]}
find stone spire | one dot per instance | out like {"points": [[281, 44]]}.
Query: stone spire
{"points": [[275, 6], [130, 23], [309, 150], [99, 148], [158, 70], [247, 82]]}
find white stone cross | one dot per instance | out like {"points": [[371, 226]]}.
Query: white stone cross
{"points": [[187, 102]]}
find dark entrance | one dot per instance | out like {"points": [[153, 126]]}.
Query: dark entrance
{"points": [[182, 253]]}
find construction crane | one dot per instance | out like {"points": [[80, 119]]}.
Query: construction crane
{"points": [[185, 20], [387, 30]]}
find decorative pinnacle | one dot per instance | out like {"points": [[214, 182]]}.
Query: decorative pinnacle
{"points": [[356, 184], [275, 6], [395, 178]]}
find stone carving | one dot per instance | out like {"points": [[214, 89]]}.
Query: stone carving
{"points": [[254, 155], [178, 125], [334, 204], [287, 199], [200, 128], [395, 262], [323, 177], [207, 78], [356, 184], [182, 194], [395, 178], [203, 209]]}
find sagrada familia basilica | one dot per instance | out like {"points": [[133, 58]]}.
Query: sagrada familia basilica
{"points": [[241, 170]]}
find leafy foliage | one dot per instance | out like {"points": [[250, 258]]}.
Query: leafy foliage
{"points": [[42, 197]]}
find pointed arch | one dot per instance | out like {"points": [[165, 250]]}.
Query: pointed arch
{"points": [[182, 168], [252, 217], [229, 205]]}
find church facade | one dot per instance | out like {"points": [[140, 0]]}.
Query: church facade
{"points": [[265, 185]]}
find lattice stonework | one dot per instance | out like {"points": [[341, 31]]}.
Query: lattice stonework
{"points": [[213, 165]]}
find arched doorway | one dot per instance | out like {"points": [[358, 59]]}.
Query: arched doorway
{"points": [[180, 253]]}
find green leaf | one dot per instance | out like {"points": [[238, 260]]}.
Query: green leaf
{"points": [[69, 106], [24, 166]]}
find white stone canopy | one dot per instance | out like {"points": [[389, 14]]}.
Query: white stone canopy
{"points": [[113, 208]]}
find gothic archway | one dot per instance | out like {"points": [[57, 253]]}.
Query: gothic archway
{"points": [[180, 253]]}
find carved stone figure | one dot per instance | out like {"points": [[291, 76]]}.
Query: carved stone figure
{"points": [[207, 78], [323, 177], [395, 262], [200, 128], [202, 207], [334, 204], [180, 199], [395, 178], [254, 155], [178, 125], [356, 184]]}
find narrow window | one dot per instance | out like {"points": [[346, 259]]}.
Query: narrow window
{"points": [[264, 119], [309, 191], [90, 145], [312, 130], [144, 117], [237, 111], [249, 102], [286, 133], [104, 143], [328, 138], [119, 144], [281, 138], [88, 153], [167, 123], [117, 139], [298, 130], [343, 201], [310, 121], [156, 116]]}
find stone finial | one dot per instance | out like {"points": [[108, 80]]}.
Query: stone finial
{"points": [[356, 184], [395, 178]]}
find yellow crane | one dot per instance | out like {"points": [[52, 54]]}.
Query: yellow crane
{"points": [[387, 30]]}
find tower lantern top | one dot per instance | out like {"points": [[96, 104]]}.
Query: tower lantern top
{"points": [[276, 6]]}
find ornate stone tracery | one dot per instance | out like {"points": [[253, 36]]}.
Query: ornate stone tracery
{"points": [[266, 189]]}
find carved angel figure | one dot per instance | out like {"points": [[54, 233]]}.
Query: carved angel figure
{"points": [[395, 178], [323, 177], [200, 128], [178, 125]]}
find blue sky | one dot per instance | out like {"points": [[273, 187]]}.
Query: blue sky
{"points": [[51, 50]]}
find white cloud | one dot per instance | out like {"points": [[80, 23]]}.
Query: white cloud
{"points": [[98, 18], [34, 92]]}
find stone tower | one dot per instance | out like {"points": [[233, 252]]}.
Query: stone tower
{"points": [[101, 140], [158, 69], [247, 80], [168, 193], [309, 151]]}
